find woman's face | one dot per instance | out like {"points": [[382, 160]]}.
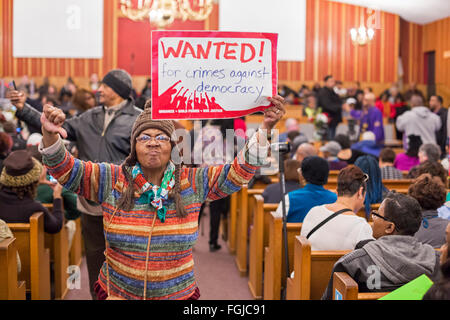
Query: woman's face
{"points": [[154, 153]]}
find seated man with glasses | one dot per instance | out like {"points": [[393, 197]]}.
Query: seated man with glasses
{"points": [[395, 257]]}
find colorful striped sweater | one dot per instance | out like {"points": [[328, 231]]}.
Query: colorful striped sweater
{"points": [[170, 272]]}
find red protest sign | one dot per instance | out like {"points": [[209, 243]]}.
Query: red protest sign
{"points": [[212, 74]]}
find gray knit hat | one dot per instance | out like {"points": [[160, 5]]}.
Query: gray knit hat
{"points": [[120, 81]]}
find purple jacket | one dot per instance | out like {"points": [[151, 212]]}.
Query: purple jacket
{"points": [[369, 119]]}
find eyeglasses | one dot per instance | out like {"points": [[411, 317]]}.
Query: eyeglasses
{"points": [[375, 213], [145, 138]]}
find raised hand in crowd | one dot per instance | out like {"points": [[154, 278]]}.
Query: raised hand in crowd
{"points": [[274, 113], [52, 120], [17, 98], [57, 191]]}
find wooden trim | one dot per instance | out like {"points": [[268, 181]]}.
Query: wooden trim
{"points": [[356, 47], [115, 48], [1, 36], [344, 33], [369, 59], [316, 41], [396, 47], [329, 45], [383, 45]]}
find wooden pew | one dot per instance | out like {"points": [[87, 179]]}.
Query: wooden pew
{"points": [[312, 271], [76, 250], [400, 186], [345, 288], [397, 184], [243, 218], [258, 240], [58, 243], [331, 184], [10, 287], [231, 221], [333, 174], [34, 257], [274, 261], [398, 150]]}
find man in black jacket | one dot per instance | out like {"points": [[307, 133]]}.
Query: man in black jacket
{"points": [[331, 104], [101, 134]]}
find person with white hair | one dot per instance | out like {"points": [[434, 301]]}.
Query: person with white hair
{"points": [[368, 144], [305, 150], [330, 151], [291, 124]]}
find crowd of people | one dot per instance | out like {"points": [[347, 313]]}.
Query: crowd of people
{"points": [[125, 179], [113, 167]]}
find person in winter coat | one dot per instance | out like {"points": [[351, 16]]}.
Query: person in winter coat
{"points": [[151, 202], [331, 104], [430, 192], [396, 257], [419, 121]]}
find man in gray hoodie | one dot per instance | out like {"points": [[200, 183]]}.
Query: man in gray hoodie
{"points": [[396, 257], [420, 121]]}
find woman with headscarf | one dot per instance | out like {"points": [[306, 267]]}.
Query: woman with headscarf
{"points": [[151, 203], [376, 191]]}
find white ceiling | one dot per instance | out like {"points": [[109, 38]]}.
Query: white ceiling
{"points": [[417, 11]]}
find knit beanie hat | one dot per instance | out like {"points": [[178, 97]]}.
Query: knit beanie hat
{"points": [[143, 122], [20, 169], [120, 81], [315, 170]]}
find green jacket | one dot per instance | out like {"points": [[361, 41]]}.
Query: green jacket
{"points": [[45, 195]]}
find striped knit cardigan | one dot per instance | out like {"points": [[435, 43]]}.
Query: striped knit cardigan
{"points": [[170, 272]]}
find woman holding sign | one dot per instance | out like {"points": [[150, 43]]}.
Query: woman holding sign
{"points": [[150, 203]]}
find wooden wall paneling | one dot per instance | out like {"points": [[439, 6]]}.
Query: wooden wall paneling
{"points": [[40, 67], [328, 48]]}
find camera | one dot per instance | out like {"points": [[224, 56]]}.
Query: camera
{"points": [[281, 147]]}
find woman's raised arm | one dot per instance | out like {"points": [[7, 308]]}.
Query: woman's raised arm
{"points": [[93, 181]]}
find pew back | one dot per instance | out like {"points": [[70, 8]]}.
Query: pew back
{"points": [[258, 239], [231, 222], [10, 287], [274, 261], [244, 217], [401, 186], [58, 244], [345, 288], [397, 184], [34, 257], [305, 284]]}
